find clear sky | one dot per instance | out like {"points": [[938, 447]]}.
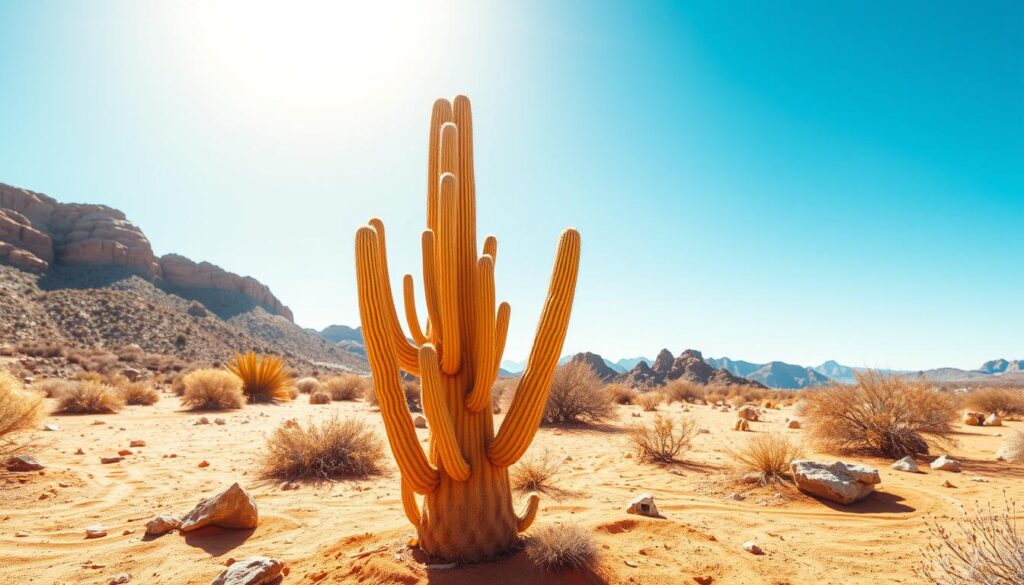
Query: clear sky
{"points": [[798, 181]]}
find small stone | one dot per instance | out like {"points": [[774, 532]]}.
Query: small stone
{"points": [[993, 420], [202, 421], [703, 431], [106, 460], [751, 547], [906, 464], [79, 451], [51, 427], [24, 463], [642, 505], [254, 570], [120, 579], [219, 421], [95, 531], [945, 463], [162, 524], [947, 484], [735, 496], [419, 422], [98, 422], [21, 534], [203, 463], [630, 563], [233, 508], [124, 452], [793, 424], [137, 443]]}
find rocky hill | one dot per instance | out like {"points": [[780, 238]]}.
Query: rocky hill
{"points": [[1002, 366], [689, 365], [597, 364], [773, 374]]}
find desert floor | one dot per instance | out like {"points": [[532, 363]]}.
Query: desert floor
{"points": [[355, 531]]}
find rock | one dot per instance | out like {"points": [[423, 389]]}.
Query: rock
{"points": [[132, 374], [106, 460], [196, 309], [840, 482], [319, 397], [24, 463], [793, 424], [124, 452], [203, 463], [137, 443], [95, 531], [751, 547], [254, 570], [120, 579], [741, 425], [51, 427], [944, 463], [419, 422], [906, 464], [703, 431], [947, 484], [993, 420], [748, 413], [202, 421], [162, 524], [79, 451], [219, 421], [642, 505], [973, 419], [233, 508], [181, 272]]}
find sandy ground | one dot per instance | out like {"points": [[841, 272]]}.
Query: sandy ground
{"points": [[355, 532]]}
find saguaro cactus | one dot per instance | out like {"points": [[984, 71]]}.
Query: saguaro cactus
{"points": [[467, 511]]}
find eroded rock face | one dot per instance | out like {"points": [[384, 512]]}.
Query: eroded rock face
{"points": [[180, 272], [840, 482], [233, 508]]}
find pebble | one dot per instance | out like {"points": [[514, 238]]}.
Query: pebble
{"points": [[137, 443], [110, 459], [95, 531], [751, 547]]}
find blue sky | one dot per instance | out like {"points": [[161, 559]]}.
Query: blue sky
{"points": [[797, 181]]}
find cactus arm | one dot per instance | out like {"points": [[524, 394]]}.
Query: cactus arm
{"points": [[410, 311], [501, 334], [430, 283], [485, 371], [412, 509], [441, 114], [448, 284], [408, 359], [491, 248], [520, 425], [381, 354], [524, 520], [441, 427], [467, 257]]}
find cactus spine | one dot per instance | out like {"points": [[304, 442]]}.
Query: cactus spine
{"points": [[467, 511]]}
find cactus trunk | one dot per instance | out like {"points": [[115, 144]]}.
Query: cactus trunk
{"points": [[467, 512]]}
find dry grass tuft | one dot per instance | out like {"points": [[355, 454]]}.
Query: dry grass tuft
{"points": [[663, 439], [620, 393], [20, 410], [561, 548], [884, 415], [334, 449], [346, 386], [264, 377], [308, 385], [319, 397], [649, 401], [139, 393], [1013, 448], [211, 389], [577, 395], [52, 387], [533, 474], [681, 390], [89, 397], [769, 456], [1006, 402], [983, 547]]}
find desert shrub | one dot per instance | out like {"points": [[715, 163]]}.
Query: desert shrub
{"points": [[559, 548], [1006, 402], [264, 377], [130, 353], [293, 392], [663, 439], [983, 547], [1013, 448], [91, 377], [334, 449], [51, 387], [138, 393], [736, 400], [648, 401], [20, 410], [308, 385], [211, 389], [89, 397], [502, 390], [319, 397], [346, 386], [533, 474], [885, 415], [620, 393], [714, 397], [769, 456], [577, 395], [410, 388], [681, 390]]}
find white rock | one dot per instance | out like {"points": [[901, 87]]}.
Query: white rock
{"points": [[250, 571], [121, 579], [51, 427], [751, 547], [993, 420], [906, 464], [233, 508], [840, 482], [162, 524], [642, 505], [95, 531], [944, 463]]}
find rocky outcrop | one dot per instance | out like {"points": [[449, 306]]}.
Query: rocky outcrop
{"points": [[690, 365], [596, 363], [37, 231]]}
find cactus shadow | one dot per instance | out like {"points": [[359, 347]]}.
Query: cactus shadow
{"points": [[515, 569]]}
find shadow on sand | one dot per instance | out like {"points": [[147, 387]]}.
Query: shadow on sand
{"points": [[216, 541]]}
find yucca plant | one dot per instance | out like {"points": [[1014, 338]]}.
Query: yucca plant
{"points": [[264, 377]]}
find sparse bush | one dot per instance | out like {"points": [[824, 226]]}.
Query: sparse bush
{"points": [[648, 401], [346, 386], [319, 397], [986, 548], [139, 393], [1013, 448], [663, 439], [564, 547], [211, 389], [769, 456], [713, 398], [681, 390], [1006, 402], [264, 377], [884, 415], [410, 388], [52, 387], [89, 397], [20, 410], [577, 395], [620, 393], [532, 474], [333, 449], [308, 385], [502, 390]]}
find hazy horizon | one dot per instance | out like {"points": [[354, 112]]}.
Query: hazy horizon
{"points": [[836, 181]]}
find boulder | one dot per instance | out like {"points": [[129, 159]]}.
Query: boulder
{"points": [[642, 505], [254, 570], [751, 547], [748, 413], [24, 463], [741, 425], [419, 422], [792, 424], [906, 464], [993, 420], [840, 482], [944, 463], [162, 524], [233, 508], [973, 419]]}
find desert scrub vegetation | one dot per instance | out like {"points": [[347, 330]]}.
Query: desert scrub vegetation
{"points": [[620, 393], [663, 439], [211, 389], [333, 449], [346, 386], [51, 387], [319, 397], [138, 393], [534, 473], [1012, 449], [983, 547], [890, 416], [264, 377], [649, 401], [1005, 402], [308, 385], [561, 548], [576, 395], [20, 410], [411, 389], [768, 457], [89, 397], [680, 390], [501, 393]]}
